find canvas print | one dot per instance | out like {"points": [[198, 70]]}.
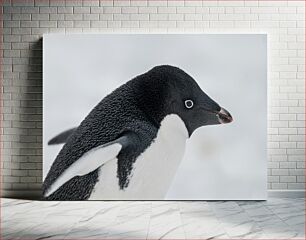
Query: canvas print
{"points": [[154, 117]]}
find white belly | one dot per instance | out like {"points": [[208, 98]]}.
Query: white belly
{"points": [[154, 169]]}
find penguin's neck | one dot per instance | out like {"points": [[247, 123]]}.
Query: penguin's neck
{"points": [[172, 126], [154, 170]]}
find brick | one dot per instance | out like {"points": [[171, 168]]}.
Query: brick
{"points": [[157, 3], [287, 145], [139, 17], [147, 9], [291, 10], [201, 24], [287, 165], [21, 17], [222, 24], [98, 24], [185, 24], [268, 10], [11, 24], [11, 38], [296, 151], [111, 10], [64, 24], [11, 9], [202, 10], [41, 3], [114, 24], [242, 10], [29, 10], [92, 3], [166, 10], [190, 17], [287, 131], [279, 185], [139, 3], [265, 24], [81, 9], [121, 3], [47, 24], [297, 138], [62, 10], [279, 124], [158, 17], [288, 179], [287, 116], [106, 3], [76, 16], [18, 173], [6, 172], [82, 24], [40, 31], [296, 185], [297, 124], [11, 53], [299, 157], [273, 165], [91, 16], [252, 17], [40, 16], [26, 3], [296, 172], [300, 179], [229, 17], [28, 179], [148, 24], [121, 17], [193, 3], [104, 17], [21, 31], [130, 24], [10, 179], [278, 158], [57, 3], [57, 17], [96, 9], [167, 24], [176, 17], [301, 116], [230, 3], [48, 10], [129, 10], [289, 103], [186, 9]]}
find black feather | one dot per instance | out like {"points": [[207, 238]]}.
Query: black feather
{"points": [[62, 137]]}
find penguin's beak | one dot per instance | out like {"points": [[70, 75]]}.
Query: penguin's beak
{"points": [[224, 116]]}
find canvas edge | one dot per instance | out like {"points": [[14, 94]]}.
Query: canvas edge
{"points": [[36, 195]]}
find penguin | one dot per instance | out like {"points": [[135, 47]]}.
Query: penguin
{"points": [[130, 145]]}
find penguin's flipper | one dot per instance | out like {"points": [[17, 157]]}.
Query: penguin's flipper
{"points": [[90, 161], [62, 137]]}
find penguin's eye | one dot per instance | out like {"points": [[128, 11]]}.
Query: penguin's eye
{"points": [[188, 104]]}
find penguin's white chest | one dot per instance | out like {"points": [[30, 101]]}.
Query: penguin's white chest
{"points": [[153, 171]]}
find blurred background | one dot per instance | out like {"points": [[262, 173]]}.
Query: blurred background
{"points": [[221, 162]]}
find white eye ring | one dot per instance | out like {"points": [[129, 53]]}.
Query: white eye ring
{"points": [[188, 103]]}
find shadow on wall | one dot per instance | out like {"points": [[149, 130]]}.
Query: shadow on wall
{"points": [[29, 154]]}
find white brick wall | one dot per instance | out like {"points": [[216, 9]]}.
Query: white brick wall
{"points": [[24, 22]]}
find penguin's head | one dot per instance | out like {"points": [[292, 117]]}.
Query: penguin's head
{"points": [[170, 90]]}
